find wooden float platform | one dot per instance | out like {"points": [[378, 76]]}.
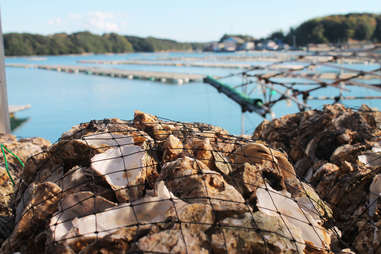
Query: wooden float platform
{"points": [[164, 77], [12, 109], [16, 122]]}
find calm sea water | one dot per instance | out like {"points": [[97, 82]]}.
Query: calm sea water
{"points": [[61, 100]]}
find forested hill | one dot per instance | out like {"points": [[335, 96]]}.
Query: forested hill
{"points": [[338, 29], [25, 44], [328, 29]]}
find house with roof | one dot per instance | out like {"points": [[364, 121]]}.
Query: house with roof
{"points": [[232, 43]]}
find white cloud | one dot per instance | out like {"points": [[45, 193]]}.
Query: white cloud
{"points": [[94, 21], [102, 21]]}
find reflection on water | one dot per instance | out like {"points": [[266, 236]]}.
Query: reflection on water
{"points": [[17, 122]]}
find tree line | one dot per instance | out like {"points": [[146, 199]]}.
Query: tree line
{"points": [[337, 29], [26, 44]]}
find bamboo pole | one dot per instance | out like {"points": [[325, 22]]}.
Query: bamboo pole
{"points": [[4, 114]]}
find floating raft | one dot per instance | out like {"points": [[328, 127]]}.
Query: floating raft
{"points": [[164, 77], [347, 58], [181, 78], [188, 64], [266, 72]]}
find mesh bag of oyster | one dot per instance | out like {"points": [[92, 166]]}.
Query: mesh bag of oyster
{"points": [[155, 186]]}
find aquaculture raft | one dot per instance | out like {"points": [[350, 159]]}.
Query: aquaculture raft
{"points": [[164, 77], [298, 78]]}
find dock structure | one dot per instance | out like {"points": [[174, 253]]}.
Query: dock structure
{"points": [[164, 77], [16, 122], [12, 109]]}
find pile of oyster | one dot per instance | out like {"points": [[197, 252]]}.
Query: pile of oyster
{"points": [[152, 186], [23, 148], [338, 151]]}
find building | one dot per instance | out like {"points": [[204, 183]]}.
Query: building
{"points": [[271, 45], [230, 44], [267, 45], [234, 39], [249, 45]]}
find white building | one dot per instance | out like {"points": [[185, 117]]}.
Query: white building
{"points": [[267, 45], [229, 46], [271, 45], [232, 43], [249, 45]]}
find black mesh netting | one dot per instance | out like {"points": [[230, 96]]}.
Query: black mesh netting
{"points": [[155, 186]]}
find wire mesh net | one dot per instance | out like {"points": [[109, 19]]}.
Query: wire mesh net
{"points": [[158, 186]]}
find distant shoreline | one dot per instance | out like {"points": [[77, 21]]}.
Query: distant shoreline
{"points": [[26, 44], [108, 53]]}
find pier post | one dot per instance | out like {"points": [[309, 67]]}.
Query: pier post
{"points": [[4, 114]]}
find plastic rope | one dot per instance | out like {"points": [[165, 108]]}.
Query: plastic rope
{"points": [[3, 147]]}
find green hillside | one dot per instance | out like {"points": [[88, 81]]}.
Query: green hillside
{"points": [[25, 44], [338, 29]]}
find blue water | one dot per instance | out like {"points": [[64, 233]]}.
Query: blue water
{"points": [[61, 100]]}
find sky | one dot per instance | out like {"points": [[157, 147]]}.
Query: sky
{"points": [[192, 20]]}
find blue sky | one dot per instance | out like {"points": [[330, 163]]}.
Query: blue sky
{"points": [[193, 20]]}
